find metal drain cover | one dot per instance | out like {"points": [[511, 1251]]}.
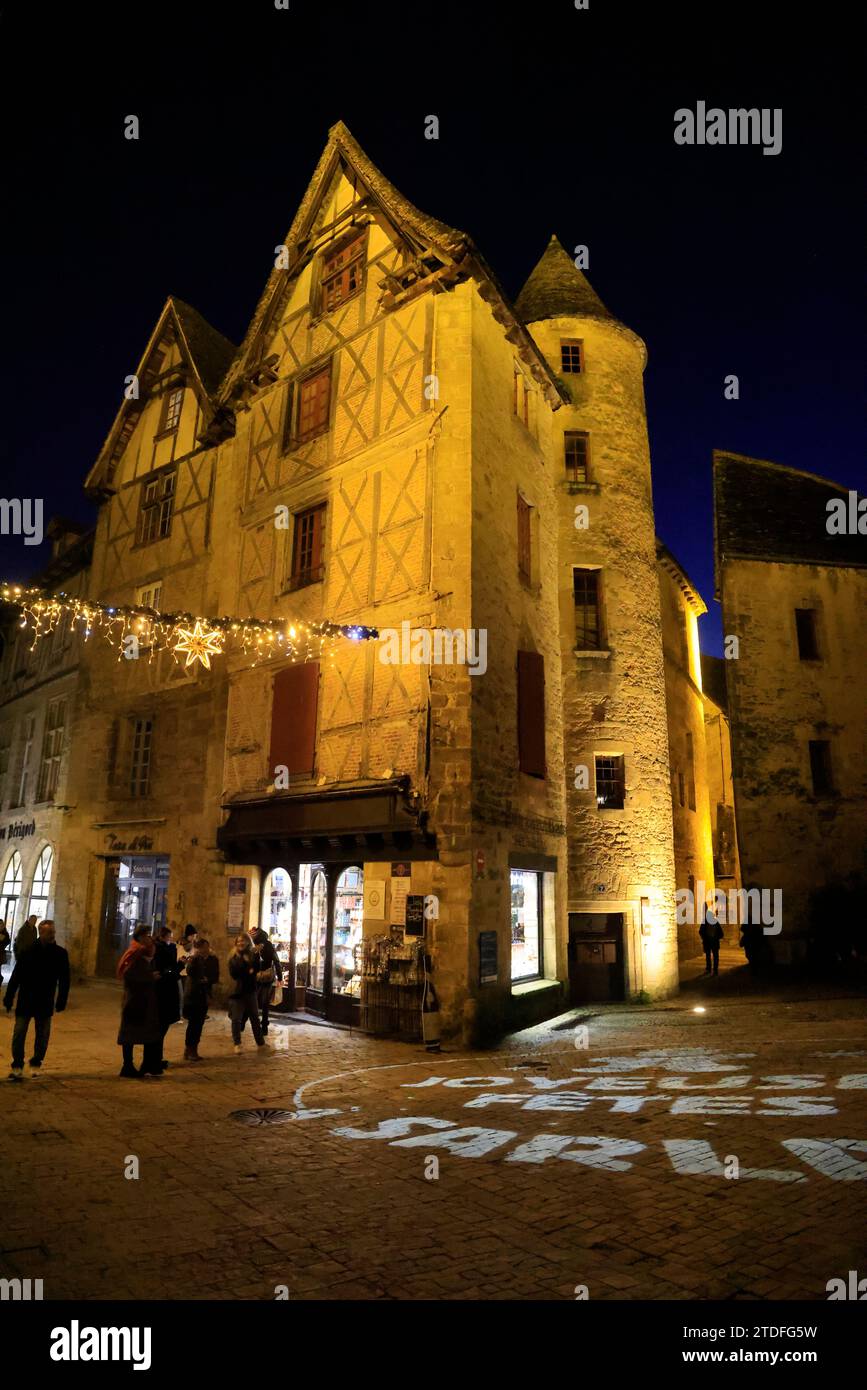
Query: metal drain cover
{"points": [[262, 1117]]}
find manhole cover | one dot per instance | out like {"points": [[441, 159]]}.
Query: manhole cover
{"points": [[262, 1117]]}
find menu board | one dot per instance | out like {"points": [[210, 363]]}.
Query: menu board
{"points": [[399, 893], [236, 909]]}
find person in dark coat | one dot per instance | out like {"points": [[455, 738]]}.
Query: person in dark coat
{"points": [[40, 974], [242, 1000], [139, 1012], [268, 971], [26, 936], [5, 938], [203, 972], [167, 974], [711, 934], [187, 945]]}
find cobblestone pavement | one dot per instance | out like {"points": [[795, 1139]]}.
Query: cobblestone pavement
{"points": [[559, 1165]]}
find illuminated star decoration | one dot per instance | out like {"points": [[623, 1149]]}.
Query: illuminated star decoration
{"points": [[199, 643]]}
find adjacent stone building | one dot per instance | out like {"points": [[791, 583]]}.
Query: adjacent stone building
{"points": [[720, 786], [794, 606]]}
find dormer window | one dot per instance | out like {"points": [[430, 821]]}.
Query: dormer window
{"points": [[156, 507], [342, 273], [173, 402]]}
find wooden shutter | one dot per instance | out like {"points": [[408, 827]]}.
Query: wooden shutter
{"points": [[293, 719], [531, 713], [523, 539]]}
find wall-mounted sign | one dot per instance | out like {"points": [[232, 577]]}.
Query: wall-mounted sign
{"points": [[374, 899], [488, 969], [401, 870], [415, 914], [236, 909], [136, 845], [480, 863], [397, 909], [18, 830]]}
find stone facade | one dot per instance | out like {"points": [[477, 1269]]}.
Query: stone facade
{"points": [[794, 596]]}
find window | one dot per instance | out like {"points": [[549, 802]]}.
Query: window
{"points": [[808, 644], [610, 782], [314, 399], [588, 627], [526, 894], [149, 596], [342, 273], [576, 445], [307, 564], [11, 891], [140, 762], [690, 769], [531, 714], [41, 888], [26, 749], [820, 767], [157, 507], [524, 540], [571, 355], [172, 403], [52, 750]]}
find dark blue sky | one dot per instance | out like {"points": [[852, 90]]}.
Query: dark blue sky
{"points": [[551, 120]]}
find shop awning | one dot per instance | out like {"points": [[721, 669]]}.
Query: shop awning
{"points": [[373, 821]]}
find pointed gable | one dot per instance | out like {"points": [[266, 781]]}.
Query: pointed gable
{"points": [[556, 288], [206, 355]]}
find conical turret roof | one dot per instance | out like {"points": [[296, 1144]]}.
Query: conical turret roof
{"points": [[556, 287]]}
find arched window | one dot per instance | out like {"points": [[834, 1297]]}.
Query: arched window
{"points": [[41, 889], [276, 915], [348, 930], [11, 891], [318, 931]]}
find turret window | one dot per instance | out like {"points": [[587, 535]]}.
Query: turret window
{"points": [[577, 456], [572, 355], [588, 624]]}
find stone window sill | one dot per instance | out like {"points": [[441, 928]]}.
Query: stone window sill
{"points": [[600, 654], [534, 986]]}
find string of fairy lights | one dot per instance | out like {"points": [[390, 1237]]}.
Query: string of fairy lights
{"points": [[198, 638]]}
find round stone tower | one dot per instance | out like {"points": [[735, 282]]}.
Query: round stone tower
{"points": [[623, 937]]}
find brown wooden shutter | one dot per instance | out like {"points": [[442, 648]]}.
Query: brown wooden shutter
{"points": [[531, 713], [293, 719], [523, 539]]}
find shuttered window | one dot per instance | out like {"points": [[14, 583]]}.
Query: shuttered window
{"points": [[588, 628], [531, 713], [314, 398], [342, 273], [524, 542], [293, 719]]}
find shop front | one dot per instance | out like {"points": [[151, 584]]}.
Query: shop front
{"points": [[314, 914]]}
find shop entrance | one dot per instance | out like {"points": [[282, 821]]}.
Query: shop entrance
{"points": [[136, 890], [314, 915], [595, 956]]}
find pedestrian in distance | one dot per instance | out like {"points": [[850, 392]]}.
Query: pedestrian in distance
{"points": [[187, 945], [203, 972], [268, 972], [242, 1000], [711, 934], [40, 981], [26, 936], [5, 939], [167, 974], [139, 1012]]}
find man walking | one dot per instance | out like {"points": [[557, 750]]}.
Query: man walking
{"points": [[25, 937], [711, 934], [40, 974], [268, 972], [203, 972]]}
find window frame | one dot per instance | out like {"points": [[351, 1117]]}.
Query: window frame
{"points": [[357, 237], [570, 468], [540, 927], [51, 757], [161, 505], [600, 644], [302, 578], [140, 757], [170, 420], [824, 761], [610, 758], [566, 347], [294, 436]]}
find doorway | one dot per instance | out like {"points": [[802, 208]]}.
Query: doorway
{"points": [[314, 913], [136, 890], [595, 956]]}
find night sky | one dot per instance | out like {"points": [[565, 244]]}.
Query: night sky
{"points": [[725, 260]]}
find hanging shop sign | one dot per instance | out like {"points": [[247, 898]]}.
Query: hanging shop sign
{"points": [[139, 844], [236, 909], [399, 894]]}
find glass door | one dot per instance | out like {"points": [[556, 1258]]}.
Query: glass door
{"points": [[347, 933]]}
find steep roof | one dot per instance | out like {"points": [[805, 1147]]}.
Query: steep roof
{"points": [[765, 511], [208, 355], [669, 562], [557, 288], [427, 235]]}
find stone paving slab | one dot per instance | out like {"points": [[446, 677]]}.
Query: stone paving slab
{"points": [[553, 1166]]}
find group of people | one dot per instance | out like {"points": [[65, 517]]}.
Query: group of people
{"points": [[162, 982], [38, 987], [161, 985]]}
